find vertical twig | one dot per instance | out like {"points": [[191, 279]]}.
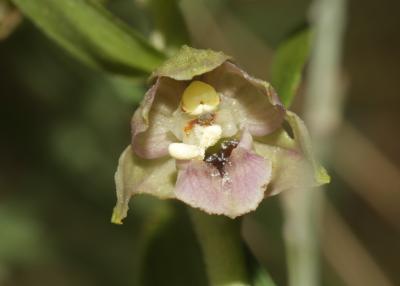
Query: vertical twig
{"points": [[322, 114]]}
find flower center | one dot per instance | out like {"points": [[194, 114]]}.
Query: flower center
{"points": [[199, 99]]}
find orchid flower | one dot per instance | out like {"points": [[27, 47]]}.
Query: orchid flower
{"points": [[214, 137]]}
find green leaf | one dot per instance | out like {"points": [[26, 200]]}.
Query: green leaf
{"points": [[92, 34], [288, 64]]}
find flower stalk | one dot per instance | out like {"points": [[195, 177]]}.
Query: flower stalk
{"points": [[222, 248], [322, 112]]}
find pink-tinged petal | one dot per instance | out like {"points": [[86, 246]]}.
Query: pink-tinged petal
{"points": [[152, 121], [254, 101], [239, 191], [137, 176]]}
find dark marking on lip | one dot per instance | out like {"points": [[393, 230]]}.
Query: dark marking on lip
{"points": [[221, 157]]}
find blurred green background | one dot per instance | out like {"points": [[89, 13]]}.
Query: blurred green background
{"points": [[63, 126]]}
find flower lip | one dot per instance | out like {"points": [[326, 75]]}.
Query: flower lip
{"points": [[238, 190]]}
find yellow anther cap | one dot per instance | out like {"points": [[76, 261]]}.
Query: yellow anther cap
{"points": [[199, 97]]}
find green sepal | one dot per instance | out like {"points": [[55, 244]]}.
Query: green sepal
{"points": [[302, 138], [190, 62], [139, 176]]}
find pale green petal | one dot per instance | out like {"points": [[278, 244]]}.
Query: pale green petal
{"points": [[190, 62], [280, 138], [290, 170], [138, 176], [293, 163]]}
